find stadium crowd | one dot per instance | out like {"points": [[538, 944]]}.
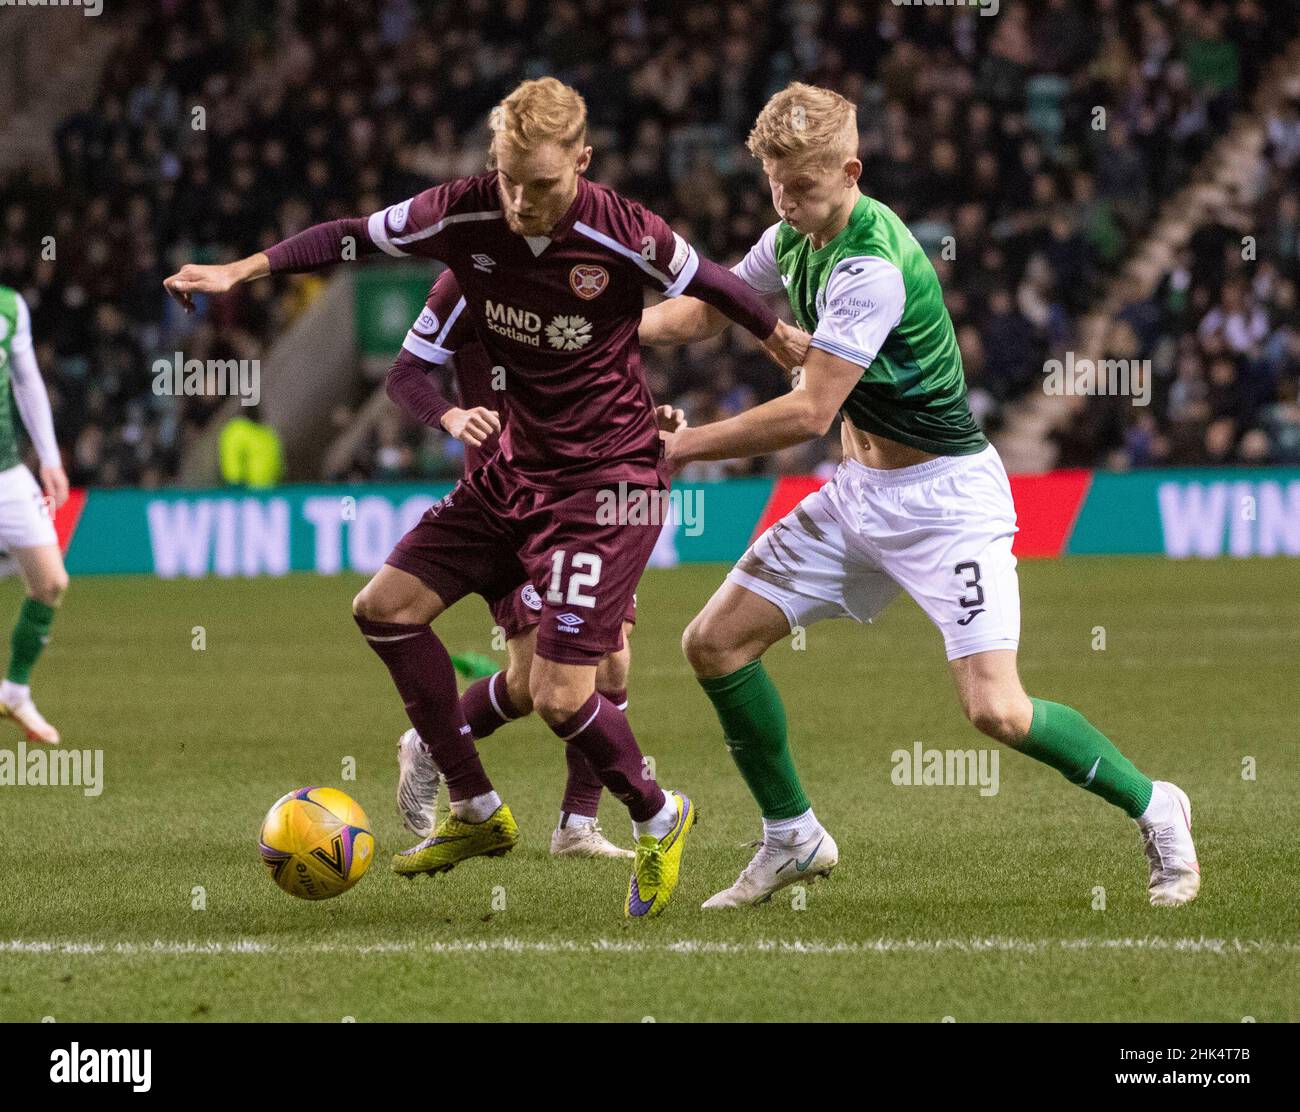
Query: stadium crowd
{"points": [[1220, 334], [220, 128]]}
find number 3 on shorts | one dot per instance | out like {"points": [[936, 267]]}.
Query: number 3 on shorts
{"points": [[584, 571]]}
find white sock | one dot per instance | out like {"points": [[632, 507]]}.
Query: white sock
{"points": [[13, 694], [478, 808], [1155, 812], [789, 832], [660, 824], [568, 820]]}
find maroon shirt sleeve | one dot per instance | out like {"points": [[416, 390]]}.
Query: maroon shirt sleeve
{"points": [[412, 389], [413, 227], [673, 267], [320, 245], [734, 297], [438, 331], [419, 226]]}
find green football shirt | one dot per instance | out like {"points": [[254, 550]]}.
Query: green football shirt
{"points": [[11, 336], [871, 296], [21, 386]]}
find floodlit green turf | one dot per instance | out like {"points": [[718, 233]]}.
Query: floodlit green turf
{"points": [[946, 903]]}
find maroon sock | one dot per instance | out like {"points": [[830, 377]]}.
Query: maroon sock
{"points": [[583, 787], [601, 731], [486, 705], [618, 697], [426, 681]]}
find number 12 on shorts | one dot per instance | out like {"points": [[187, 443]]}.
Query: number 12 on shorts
{"points": [[584, 571]]}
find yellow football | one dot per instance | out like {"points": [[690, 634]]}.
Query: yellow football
{"points": [[316, 843]]}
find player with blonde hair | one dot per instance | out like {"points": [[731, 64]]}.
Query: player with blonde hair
{"points": [[553, 269], [920, 503]]}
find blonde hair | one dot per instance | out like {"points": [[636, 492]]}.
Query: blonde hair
{"points": [[805, 123], [540, 111]]}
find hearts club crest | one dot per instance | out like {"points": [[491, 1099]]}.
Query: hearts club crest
{"points": [[588, 281]]}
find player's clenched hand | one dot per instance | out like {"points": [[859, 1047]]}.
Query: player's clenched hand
{"points": [[195, 278], [670, 419], [675, 446], [787, 345], [471, 426], [54, 481]]}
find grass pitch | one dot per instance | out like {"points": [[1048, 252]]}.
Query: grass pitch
{"points": [[150, 902]]}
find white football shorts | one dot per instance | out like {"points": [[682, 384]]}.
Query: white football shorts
{"points": [[24, 519], [941, 531]]}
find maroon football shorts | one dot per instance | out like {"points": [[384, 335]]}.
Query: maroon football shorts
{"points": [[521, 609], [495, 537]]}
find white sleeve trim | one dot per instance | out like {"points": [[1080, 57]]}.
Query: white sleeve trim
{"points": [[758, 268], [865, 298], [688, 270], [435, 350], [451, 319], [29, 391], [377, 226], [425, 349]]}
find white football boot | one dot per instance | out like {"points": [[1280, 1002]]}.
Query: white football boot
{"points": [[1166, 828], [775, 867], [584, 839], [418, 779], [30, 721]]}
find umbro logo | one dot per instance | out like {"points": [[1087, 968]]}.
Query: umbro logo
{"points": [[568, 623], [485, 263], [970, 617]]}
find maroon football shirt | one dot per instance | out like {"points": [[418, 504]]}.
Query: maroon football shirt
{"points": [[560, 314]]}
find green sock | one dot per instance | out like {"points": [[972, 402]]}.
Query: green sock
{"points": [[753, 720], [474, 666], [30, 634], [1061, 737]]}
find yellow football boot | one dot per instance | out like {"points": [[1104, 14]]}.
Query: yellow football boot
{"points": [[658, 863], [455, 841]]}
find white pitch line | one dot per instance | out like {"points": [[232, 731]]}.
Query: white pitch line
{"points": [[217, 948]]}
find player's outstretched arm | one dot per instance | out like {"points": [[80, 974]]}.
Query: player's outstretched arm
{"points": [[805, 413], [316, 247], [739, 302], [213, 278], [687, 320], [682, 320]]}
